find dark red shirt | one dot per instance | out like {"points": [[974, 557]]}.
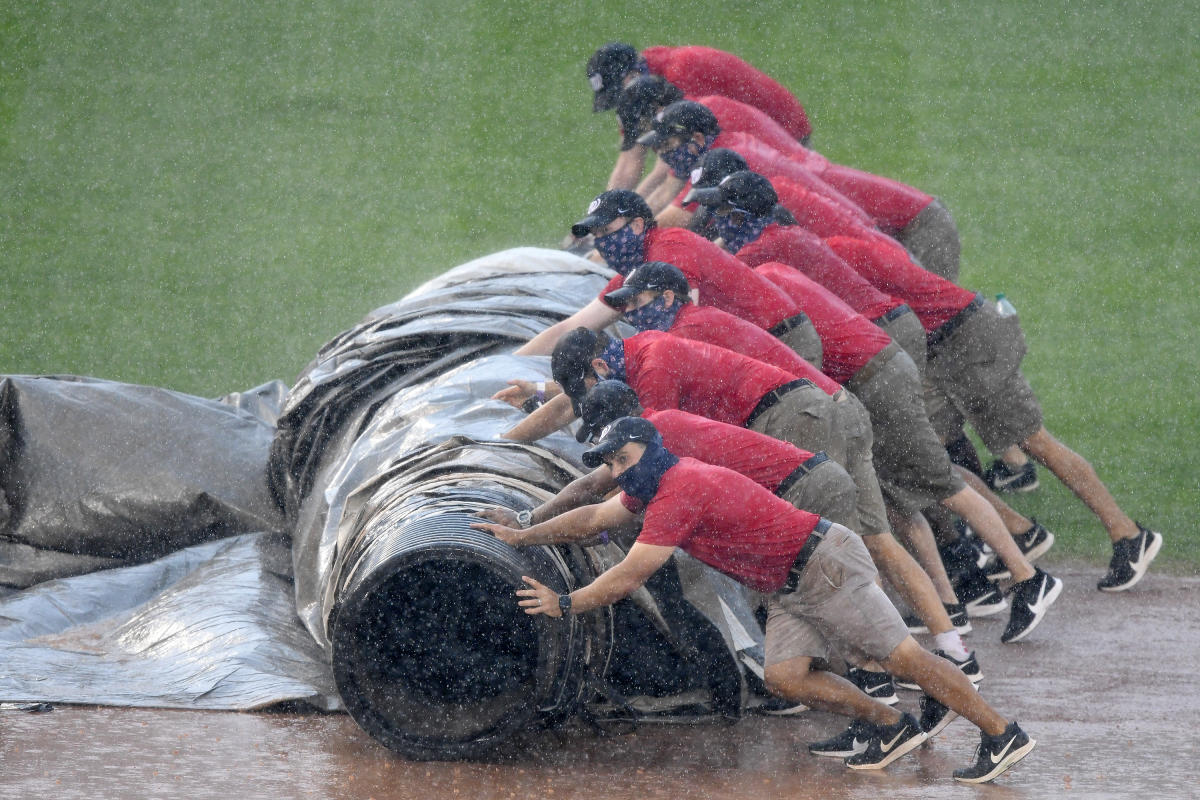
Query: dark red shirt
{"points": [[727, 521], [704, 70], [808, 253], [888, 267], [666, 371], [721, 280], [761, 458], [848, 339], [716, 327]]}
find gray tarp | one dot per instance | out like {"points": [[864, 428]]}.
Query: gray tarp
{"points": [[411, 378]]}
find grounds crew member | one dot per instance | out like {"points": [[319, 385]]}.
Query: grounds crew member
{"points": [[735, 526], [695, 70], [973, 373], [626, 236], [911, 464]]}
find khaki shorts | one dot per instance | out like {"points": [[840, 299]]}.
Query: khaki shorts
{"points": [[910, 461], [906, 331], [804, 342], [932, 239], [829, 491], [975, 374], [837, 605]]}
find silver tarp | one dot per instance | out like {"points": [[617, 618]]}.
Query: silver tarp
{"points": [[176, 500]]}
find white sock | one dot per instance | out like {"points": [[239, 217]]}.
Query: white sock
{"points": [[951, 644]]}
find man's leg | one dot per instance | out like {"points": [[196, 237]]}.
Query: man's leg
{"points": [[945, 683], [796, 681]]}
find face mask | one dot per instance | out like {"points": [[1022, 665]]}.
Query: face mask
{"points": [[654, 316], [622, 250], [614, 357], [681, 160], [738, 235], [641, 480]]}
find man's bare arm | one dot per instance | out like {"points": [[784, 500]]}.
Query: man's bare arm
{"points": [[665, 192], [619, 581], [575, 525], [596, 316], [628, 168], [545, 420]]}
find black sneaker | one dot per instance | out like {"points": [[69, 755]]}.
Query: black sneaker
{"points": [[876, 685], [1130, 560], [888, 743], [958, 618], [996, 754], [969, 666], [996, 570], [980, 597], [1003, 478], [934, 716], [1030, 600], [1034, 542], [849, 742]]}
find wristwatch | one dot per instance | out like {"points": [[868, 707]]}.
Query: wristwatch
{"points": [[564, 604], [524, 518]]}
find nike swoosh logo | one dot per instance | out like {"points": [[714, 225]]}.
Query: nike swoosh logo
{"points": [[1141, 553], [1040, 605], [870, 689], [996, 759], [889, 745]]}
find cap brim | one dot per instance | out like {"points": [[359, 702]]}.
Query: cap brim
{"points": [[595, 457], [585, 225], [585, 432], [620, 297], [652, 139], [707, 196]]}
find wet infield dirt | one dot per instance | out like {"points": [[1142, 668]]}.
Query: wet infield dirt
{"points": [[1108, 685]]}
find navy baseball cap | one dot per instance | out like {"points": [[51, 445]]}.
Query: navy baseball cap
{"points": [[744, 191], [639, 102], [571, 362], [657, 276], [681, 118], [610, 205], [608, 400], [605, 69], [619, 434], [713, 167]]}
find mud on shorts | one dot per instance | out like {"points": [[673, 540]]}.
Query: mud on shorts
{"points": [[837, 606], [826, 489], [912, 465], [975, 374], [812, 420]]}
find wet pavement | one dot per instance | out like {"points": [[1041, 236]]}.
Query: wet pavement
{"points": [[1107, 685]]}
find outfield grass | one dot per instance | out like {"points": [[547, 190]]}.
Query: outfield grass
{"points": [[199, 195]]}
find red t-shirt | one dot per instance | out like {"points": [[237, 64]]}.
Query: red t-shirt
{"points": [[808, 253], [727, 521], [703, 70], [736, 116], [887, 266], [761, 458], [890, 203], [721, 280], [668, 372], [716, 327], [819, 214], [848, 339]]}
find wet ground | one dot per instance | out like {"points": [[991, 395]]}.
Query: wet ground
{"points": [[1107, 685]]}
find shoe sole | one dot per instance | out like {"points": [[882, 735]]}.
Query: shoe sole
{"points": [[961, 630], [799, 708], [1007, 486], [897, 751], [841, 754], [946, 720], [1041, 549], [1139, 571], [987, 609], [1047, 601], [1004, 765], [975, 679]]}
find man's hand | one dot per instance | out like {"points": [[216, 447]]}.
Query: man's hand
{"points": [[510, 536], [501, 516], [539, 599], [517, 393]]}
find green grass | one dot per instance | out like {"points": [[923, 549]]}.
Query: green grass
{"points": [[199, 195]]}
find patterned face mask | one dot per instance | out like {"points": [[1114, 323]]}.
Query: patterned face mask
{"points": [[681, 160], [614, 357], [654, 316], [622, 250], [738, 235], [641, 480]]}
